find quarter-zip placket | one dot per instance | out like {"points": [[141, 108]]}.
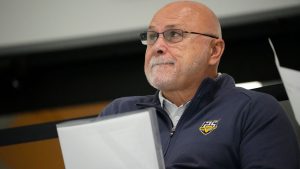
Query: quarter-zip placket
{"points": [[171, 128], [174, 129]]}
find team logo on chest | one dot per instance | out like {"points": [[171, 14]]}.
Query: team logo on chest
{"points": [[208, 126]]}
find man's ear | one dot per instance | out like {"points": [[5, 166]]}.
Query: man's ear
{"points": [[217, 49]]}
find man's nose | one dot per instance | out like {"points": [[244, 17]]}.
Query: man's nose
{"points": [[160, 45]]}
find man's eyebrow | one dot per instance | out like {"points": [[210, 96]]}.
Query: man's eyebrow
{"points": [[166, 27], [172, 26], [151, 27]]}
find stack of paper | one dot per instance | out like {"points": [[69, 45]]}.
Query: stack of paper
{"points": [[127, 141]]}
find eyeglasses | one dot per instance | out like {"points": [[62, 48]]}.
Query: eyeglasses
{"points": [[171, 35]]}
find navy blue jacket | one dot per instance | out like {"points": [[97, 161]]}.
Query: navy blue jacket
{"points": [[223, 127]]}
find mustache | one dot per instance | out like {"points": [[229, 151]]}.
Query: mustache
{"points": [[159, 60]]}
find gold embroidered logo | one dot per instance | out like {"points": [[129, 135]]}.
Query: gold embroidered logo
{"points": [[208, 126]]}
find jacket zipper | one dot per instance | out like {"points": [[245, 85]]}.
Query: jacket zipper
{"points": [[172, 131]]}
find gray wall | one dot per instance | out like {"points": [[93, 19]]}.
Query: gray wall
{"points": [[24, 22]]}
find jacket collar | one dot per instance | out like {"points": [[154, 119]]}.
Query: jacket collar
{"points": [[209, 89], [153, 102]]}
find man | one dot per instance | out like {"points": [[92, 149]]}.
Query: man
{"points": [[204, 120]]}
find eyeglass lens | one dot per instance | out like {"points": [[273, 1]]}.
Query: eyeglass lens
{"points": [[171, 35]]}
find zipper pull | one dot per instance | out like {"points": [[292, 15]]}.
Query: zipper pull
{"points": [[172, 131]]}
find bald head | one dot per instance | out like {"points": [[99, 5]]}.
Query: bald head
{"points": [[192, 14]]}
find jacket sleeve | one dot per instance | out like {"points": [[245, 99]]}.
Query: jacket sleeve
{"points": [[268, 139]]}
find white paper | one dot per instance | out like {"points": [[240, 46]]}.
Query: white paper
{"points": [[128, 141], [291, 82]]}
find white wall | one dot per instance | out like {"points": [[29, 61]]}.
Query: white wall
{"points": [[24, 22]]}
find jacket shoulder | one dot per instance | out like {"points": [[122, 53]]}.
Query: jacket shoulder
{"points": [[125, 104]]}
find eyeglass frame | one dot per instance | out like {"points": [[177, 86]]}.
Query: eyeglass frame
{"points": [[145, 34]]}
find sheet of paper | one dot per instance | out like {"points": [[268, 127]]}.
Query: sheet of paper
{"points": [[291, 82], [127, 141]]}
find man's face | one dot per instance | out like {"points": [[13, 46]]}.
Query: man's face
{"points": [[175, 66]]}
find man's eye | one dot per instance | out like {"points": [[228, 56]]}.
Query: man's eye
{"points": [[174, 34], [152, 36]]}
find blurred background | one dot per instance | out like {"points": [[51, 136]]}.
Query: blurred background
{"points": [[66, 59]]}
